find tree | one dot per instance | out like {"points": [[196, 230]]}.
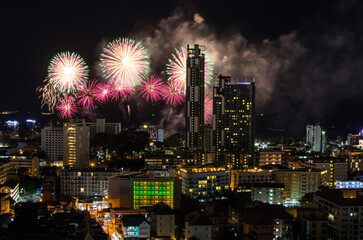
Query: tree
{"points": [[25, 131], [307, 200]]}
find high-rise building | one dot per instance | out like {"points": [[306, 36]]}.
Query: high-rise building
{"points": [[52, 142], [316, 138], [76, 144], [234, 115], [101, 126], [194, 121]]}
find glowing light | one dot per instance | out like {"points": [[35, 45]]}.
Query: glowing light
{"points": [[67, 108], [49, 95], [119, 92], [208, 107], [172, 94], [151, 89], [86, 95], [125, 62], [103, 92], [176, 68], [67, 72]]}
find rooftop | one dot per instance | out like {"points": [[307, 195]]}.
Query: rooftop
{"points": [[133, 220], [268, 185], [340, 196], [162, 209], [197, 218]]}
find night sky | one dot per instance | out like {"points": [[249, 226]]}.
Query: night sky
{"points": [[307, 56]]}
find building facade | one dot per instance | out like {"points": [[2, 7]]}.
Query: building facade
{"points": [[86, 183], [298, 183], [194, 122], [137, 190], [202, 181], [271, 157], [344, 209], [76, 144], [240, 178], [272, 193], [52, 142], [316, 138], [234, 115]]}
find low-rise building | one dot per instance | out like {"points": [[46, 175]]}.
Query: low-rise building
{"points": [[203, 181], [198, 225], [11, 187], [313, 224], [162, 221], [135, 227], [4, 203], [218, 215], [337, 169], [298, 183], [136, 190], [240, 178], [86, 183], [344, 208], [268, 157], [272, 193]]}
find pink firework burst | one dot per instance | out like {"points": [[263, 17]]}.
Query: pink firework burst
{"points": [[103, 92], [208, 107], [172, 95], [151, 89], [119, 92], [67, 108], [86, 95]]}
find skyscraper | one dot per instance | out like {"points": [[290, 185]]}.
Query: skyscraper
{"points": [[234, 115], [316, 138], [194, 121], [76, 144]]}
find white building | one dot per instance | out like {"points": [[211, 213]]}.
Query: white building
{"points": [[250, 176], [271, 157], [201, 181], [52, 142], [101, 126], [135, 227], [93, 182], [316, 138], [76, 144], [163, 220], [198, 225], [272, 193]]}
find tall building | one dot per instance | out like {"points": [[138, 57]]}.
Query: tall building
{"points": [[101, 126], [76, 144], [316, 138], [52, 142], [234, 115], [194, 121]]}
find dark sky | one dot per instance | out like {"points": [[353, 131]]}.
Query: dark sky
{"points": [[313, 50]]}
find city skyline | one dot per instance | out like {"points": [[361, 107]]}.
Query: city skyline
{"points": [[325, 90]]}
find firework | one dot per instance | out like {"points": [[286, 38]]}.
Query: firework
{"points": [[176, 68], [119, 92], [103, 92], [208, 107], [172, 95], [67, 72], [87, 95], [151, 89], [67, 108], [49, 95], [125, 62]]}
